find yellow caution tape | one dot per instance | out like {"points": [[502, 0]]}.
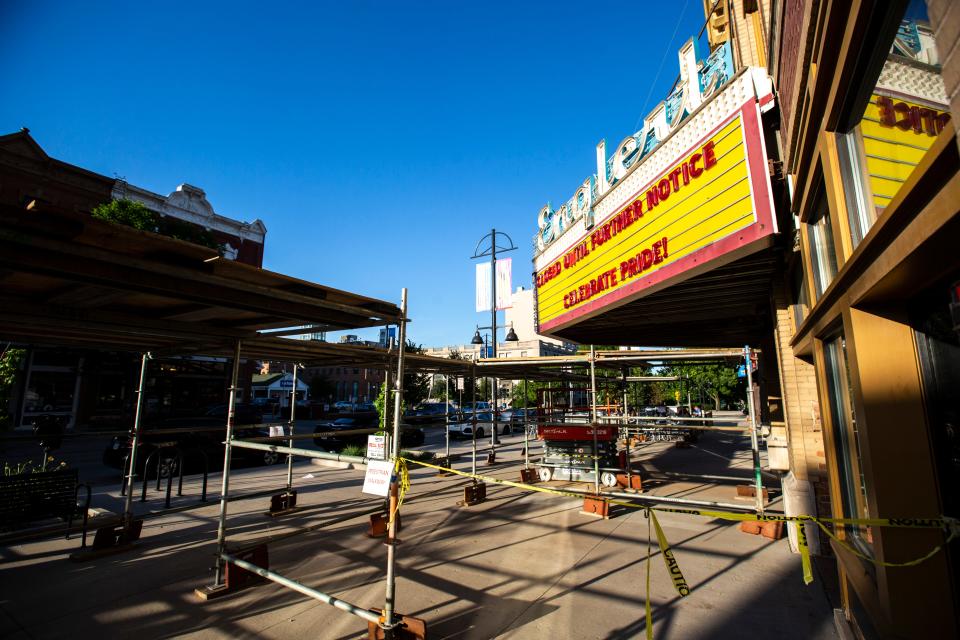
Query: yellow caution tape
{"points": [[804, 553], [951, 526], [402, 473], [679, 583]]}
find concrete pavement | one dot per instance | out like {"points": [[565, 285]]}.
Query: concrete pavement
{"points": [[521, 565]]}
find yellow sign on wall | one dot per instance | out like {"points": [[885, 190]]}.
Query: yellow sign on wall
{"points": [[704, 197], [896, 134]]}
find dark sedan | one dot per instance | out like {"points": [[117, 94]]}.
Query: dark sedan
{"points": [[330, 437], [197, 439]]}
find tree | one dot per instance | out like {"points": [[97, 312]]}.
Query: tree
{"points": [[10, 363], [439, 389], [416, 389], [517, 398], [716, 381], [469, 383], [416, 386], [136, 215]]}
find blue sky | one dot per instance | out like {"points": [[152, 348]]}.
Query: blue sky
{"points": [[378, 141]]}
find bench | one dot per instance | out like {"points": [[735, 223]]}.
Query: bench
{"points": [[31, 497]]}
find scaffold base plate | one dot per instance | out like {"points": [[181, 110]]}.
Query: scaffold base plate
{"points": [[410, 628], [211, 592]]}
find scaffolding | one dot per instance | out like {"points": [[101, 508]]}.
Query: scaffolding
{"points": [[587, 367], [175, 299]]}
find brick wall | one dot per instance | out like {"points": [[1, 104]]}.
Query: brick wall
{"points": [[945, 19], [801, 410], [792, 65]]}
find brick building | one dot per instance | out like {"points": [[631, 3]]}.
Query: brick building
{"points": [[96, 387]]}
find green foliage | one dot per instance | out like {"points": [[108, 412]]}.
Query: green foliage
{"points": [[383, 406], [585, 348], [11, 360], [187, 232], [354, 450], [129, 213], [416, 389], [469, 382], [716, 382], [439, 389], [136, 215], [517, 399], [416, 386], [23, 468]]}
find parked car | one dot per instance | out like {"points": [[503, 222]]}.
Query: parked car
{"points": [[205, 439], [517, 416], [427, 413], [470, 407], [328, 436], [464, 428]]}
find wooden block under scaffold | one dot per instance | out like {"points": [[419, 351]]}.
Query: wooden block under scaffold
{"points": [[410, 628], [474, 494], [378, 525], [635, 481], [750, 491], [596, 506]]}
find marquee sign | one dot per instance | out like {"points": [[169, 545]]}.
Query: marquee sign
{"points": [[697, 198], [698, 82]]}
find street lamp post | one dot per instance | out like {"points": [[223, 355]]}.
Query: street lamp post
{"points": [[482, 251]]}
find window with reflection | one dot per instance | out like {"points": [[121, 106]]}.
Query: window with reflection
{"points": [[907, 109], [799, 306], [821, 249], [846, 440]]}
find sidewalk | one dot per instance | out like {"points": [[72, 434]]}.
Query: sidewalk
{"points": [[521, 565]]}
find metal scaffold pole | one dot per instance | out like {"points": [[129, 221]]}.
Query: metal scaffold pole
{"points": [[473, 419], [494, 412], [754, 426], [526, 433], [390, 602], [626, 440], [446, 417], [225, 486], [132, 470], [386, 408], [593, 421], [292, 427]]}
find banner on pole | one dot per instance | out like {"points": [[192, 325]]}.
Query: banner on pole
{"points": [[504, 283], [483, 286]]}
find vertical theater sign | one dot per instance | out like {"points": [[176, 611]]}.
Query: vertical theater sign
{"points": [[688, 192]]}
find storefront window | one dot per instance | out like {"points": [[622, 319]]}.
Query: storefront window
{"points": [[846, 438], [50, 392], [908, 108], [800, 305], [823, 255], [51, 384]]}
